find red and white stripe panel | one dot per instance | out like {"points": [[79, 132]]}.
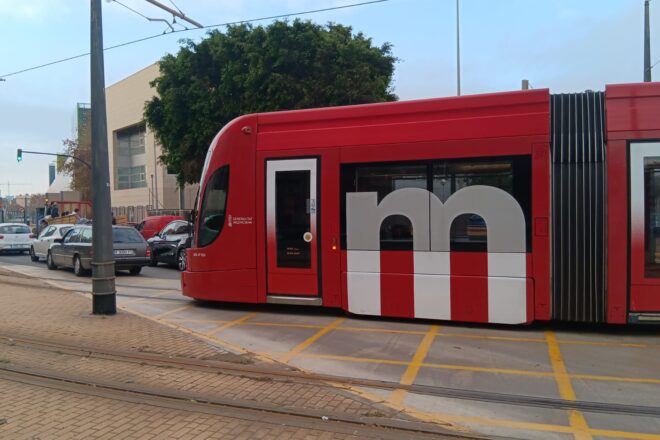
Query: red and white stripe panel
{"points": [[459, 286]]}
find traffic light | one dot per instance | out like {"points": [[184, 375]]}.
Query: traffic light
{"points": [[19, 155]]}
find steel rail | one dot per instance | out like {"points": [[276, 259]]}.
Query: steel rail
{"points": [[329, 380], [361, 426]]}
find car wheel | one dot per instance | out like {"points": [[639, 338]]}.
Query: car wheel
{"points": [[135, 270], [181, 260], [77, 267], [49, 261], [33, 256]]}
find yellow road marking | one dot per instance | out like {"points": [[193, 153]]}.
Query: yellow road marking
{"points": [[173, 311], [277, 324], [381, 330], [230, 324], [532, 426], [566, 391], [420, 332], [415, 364], [309, 341], [483, 369]]}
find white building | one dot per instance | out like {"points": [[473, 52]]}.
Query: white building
{"points": [[137, 178]]}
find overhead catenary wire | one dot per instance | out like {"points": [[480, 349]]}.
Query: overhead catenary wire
{"points": [[145, 17], [212, 26]]}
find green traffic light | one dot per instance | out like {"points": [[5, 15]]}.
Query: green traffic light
{"points": [[19, 155]]}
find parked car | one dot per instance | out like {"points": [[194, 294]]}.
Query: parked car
{"points": [[15, 237], [40, 246], [151, 225], [131, 251], [170, 244]]}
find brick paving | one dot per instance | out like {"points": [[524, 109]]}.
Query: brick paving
{"points": [[30, 309]]}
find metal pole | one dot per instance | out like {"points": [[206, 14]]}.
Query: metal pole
{"points": [[25, 210], [458, 51], [103, 265], [647, 43]]}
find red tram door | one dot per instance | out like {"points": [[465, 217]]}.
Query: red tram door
{"points": [[292, 229], [645, 226]]}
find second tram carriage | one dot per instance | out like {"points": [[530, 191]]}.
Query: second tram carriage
{"points": [[501, 208]]}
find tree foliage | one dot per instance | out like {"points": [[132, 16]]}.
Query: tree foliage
{"points": [[258, 69], [81, 175]]}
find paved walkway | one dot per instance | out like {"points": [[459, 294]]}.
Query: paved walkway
{"points": [[31, 309], [617, 365]]}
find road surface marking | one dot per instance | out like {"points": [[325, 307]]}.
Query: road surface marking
{"points": [[295, 351], [214, 331], [566, 391], [173, 311], [415, 364]]}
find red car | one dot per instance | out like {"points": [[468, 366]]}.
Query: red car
{"points": [[151, 225]]}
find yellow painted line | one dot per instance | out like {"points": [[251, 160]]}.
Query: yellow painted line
{"points": [[566, 391], [492, 338], [491, 370], [309, 341], [615, 378], [381, 330], [451, 421], [411, 372], [278, 324], [545, 427], [226, 325], [334, 357], [173, 311], [603, 344], [229, 345], [200, 321]]}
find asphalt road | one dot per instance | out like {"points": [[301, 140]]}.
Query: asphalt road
{"points": [[160, 272]]}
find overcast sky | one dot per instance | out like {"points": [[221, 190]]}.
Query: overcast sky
{"points": [[563, 45]]}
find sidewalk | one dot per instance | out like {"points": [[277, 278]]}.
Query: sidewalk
{"points": [[30, 309]]}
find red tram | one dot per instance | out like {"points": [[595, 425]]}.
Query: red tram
{"points": [[503, 208]]}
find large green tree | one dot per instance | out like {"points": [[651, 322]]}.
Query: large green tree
{"points": [[247, 69]]}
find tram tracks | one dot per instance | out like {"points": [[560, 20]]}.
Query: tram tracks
{"points": [[369, 424], [287, 373]]}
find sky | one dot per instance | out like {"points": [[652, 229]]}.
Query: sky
{"points": [[563, 45]]}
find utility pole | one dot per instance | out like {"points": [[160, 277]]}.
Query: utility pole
{"points": [[104, 301], [458, 51], [647, 43], [175, 13]]}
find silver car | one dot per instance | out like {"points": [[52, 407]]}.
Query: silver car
{"points": [[74, 250], [40, 246], [15, 237]]}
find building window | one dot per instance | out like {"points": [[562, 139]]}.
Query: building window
{"points": [[131, 177], [130, 158], [130, 141]]}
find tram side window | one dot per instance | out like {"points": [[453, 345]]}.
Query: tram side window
{"points": [[511, 174], [443, 177], [383, 178], [214, 205], [652, 216]]}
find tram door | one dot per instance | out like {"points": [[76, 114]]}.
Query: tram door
{"points": [[645, 226], [292, 227]]}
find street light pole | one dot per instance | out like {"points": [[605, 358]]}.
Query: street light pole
{"points": [[104, 301], [458, 51], [647, 43]]}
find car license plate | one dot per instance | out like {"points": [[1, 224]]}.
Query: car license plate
{"points": [[124, 252]]}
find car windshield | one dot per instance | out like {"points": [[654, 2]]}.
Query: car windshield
{"points": [[14, 229], [126, 235]]}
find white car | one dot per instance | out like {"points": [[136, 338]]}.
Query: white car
{"points": [[15, 237], [40, 246]]}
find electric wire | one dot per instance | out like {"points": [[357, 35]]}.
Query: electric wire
{"points": [[229, 23]]}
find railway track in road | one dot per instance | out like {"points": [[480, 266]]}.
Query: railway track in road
{"points": [[361, 426], [290, 374]]}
